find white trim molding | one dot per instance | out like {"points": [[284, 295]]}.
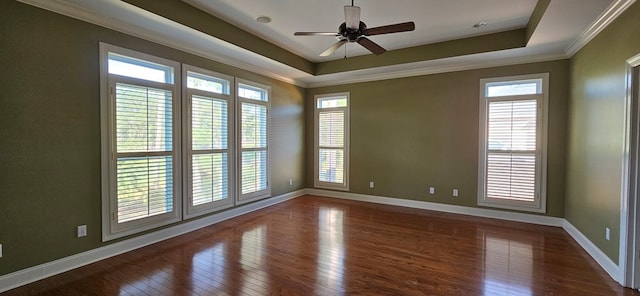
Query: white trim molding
{"points": [[600, 257], [440, 207], [35, 273], [607, 17], [629, 203]]}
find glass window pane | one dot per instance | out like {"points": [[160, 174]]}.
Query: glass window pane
{"points": [[144, 187], [332, 102], [513, 88], [135, 68], [252, 92], [143, 119], [207, 83]]}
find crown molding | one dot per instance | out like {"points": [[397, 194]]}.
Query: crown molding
{"points": [[428, 68], [607, 17]]}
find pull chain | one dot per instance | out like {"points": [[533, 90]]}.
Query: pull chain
{"points": [[345, 51]]}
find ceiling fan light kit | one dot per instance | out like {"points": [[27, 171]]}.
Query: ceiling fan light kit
{"points": [[354, 30]]}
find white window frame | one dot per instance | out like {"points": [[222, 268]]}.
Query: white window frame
{"points": [[256, 195], [539, 203], [111, 229], [189, 209], [316, 151]]}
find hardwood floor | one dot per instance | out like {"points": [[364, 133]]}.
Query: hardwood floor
{"points": [[322, 246]]}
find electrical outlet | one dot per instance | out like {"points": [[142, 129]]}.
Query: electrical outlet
{"points": [[371, 185], [607, 233], [455, 192], [290, 182], [82, 230], [432, 190]]}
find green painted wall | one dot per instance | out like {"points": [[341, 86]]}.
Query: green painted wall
{"points": [[50, 131], [411, 133], [596, 119]]}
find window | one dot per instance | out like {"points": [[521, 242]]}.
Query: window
{"points": [[178, 141], [209, 136], [140, 155], [512, 158], [331, 153], [253, 123]]}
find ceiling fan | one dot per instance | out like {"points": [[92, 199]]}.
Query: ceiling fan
{"points": [[354, 30]]}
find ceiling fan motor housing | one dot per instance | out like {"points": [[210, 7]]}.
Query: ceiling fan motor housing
{"points": [[351, 35]]}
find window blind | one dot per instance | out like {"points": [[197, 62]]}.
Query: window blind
{"points": [[144, 187], [209, 137], [254, 126], [512, 150], [144, 162], [254, 148], [331, 129], [331, 135], [254, 171]]}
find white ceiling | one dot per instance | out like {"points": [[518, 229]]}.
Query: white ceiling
{"points": [[565, 27]]}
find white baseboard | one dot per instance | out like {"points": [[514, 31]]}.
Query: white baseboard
{"points": [[35, 273], [600, 257], [478, 212]]}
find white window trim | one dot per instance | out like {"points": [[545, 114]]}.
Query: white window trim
{"points": [[111, 229], [316, 179], [540, 203], [194, 211], [257, 195]]}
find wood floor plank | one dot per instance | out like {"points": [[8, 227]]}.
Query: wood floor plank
{"points": [[322, 246]]}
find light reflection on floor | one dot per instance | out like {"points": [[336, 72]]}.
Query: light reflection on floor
{"points": [[210, 264], [508, 266], [255, 279], [330, 248], [159, 281]]}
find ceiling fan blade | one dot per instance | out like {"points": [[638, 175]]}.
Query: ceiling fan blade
{"points": [[395, 28], [371, 46], [315, 34], [352, 17], [333, 48]]}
